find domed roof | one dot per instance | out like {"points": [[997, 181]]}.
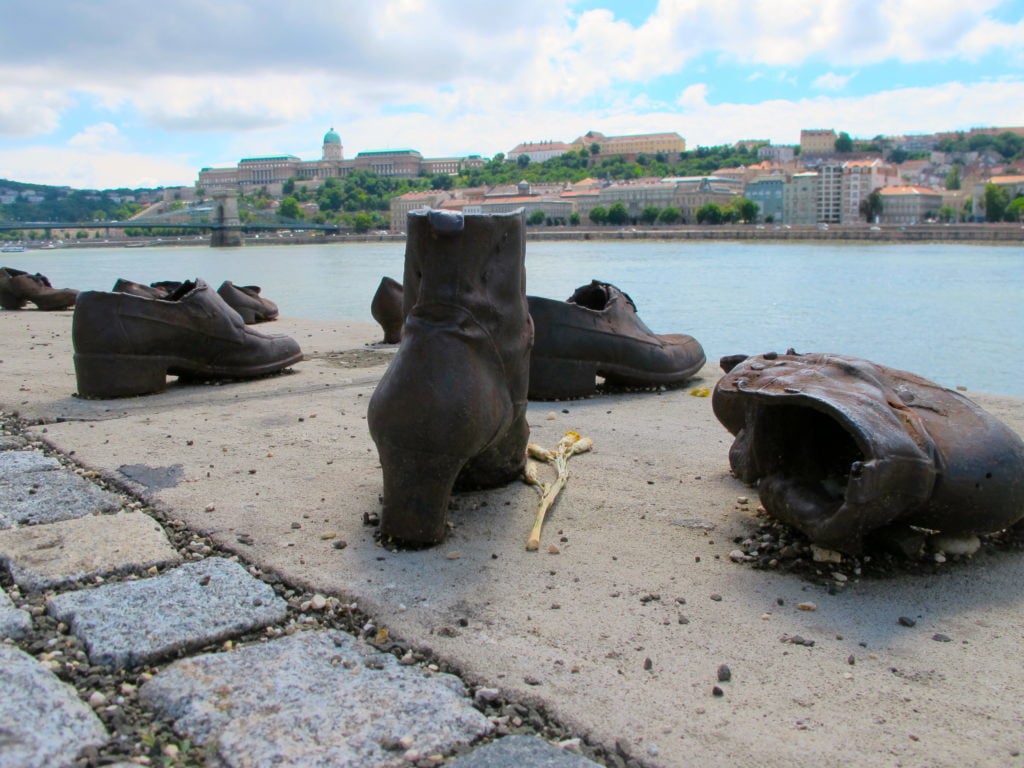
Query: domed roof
{"points": [[331, 137]]}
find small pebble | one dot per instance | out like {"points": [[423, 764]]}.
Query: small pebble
{"points": [[808, 606], [716, 691], [905, 621], [941, 638], [724, 673]]}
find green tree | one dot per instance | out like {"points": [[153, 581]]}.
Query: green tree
{"points": [[710, 213], [362, 222], [996, 201], [290, 209], [953, 178], [670, 215], [535, 218], [442, 181], [1015, 210], [522, 161], [871, 206], [947, 213], [650, 214], [617, 214], [844, 143], [898, 156], [599, 214], [288, 188], [746, 209], [574, 218]]}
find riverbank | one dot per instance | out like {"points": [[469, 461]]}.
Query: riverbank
{"points": [[620, 626], [989, 234]]}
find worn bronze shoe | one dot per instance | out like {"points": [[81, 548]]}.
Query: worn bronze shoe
{"points": [[597, 332], [386, 309], [841, 447], [17, 288], [137, 289], [10, 296], [451, 408], [246, 301], [127, 345]]}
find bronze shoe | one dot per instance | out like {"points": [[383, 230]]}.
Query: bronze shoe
{"points": [[597, 332], [127, 345], [246, 301], [10, 296], [841, 447], [386, 309], [18, 288], [451, 408]]}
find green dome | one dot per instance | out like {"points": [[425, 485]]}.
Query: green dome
{"points": [[331, 137]]}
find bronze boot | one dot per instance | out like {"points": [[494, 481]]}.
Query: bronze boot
{"points": [[247, 301], [451, 408], [386, 309], [841, 447], [17, 288]]}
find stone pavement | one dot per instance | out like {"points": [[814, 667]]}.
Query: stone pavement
{"points": [[121, 648]]}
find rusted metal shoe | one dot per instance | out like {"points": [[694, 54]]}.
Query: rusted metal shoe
{"points": [[127, 345], [247, 301], [386, 309], [597, 332], [450, 411], [841, 447], [17, 288]]}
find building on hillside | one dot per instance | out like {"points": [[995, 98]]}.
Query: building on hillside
{"points": [[830, 193], [800, 199], [694, 192], [776, 154], [273, 171], [630, 147], [767, 192], [908, 204], [817, 141], [637, 195], [860, 178], [1013, 184], [539, 151]]}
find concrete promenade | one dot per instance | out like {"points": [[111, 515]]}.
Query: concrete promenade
{"points": [[189, 578]]}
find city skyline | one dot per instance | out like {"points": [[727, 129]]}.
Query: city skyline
{"points": [[148, 100]]}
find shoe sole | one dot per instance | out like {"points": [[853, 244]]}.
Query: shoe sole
{"points": [[102, 376]]}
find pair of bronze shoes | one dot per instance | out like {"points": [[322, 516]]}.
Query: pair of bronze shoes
{"points": [[244, 299], [18, 288], [595, 332], [127, 344]]}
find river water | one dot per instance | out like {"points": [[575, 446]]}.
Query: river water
{"points": [[951, 313]]}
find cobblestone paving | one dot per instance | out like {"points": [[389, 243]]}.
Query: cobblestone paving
{"points": [[126, 640]]}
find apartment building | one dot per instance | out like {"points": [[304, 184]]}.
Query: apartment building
{"points": [[909, 204], [859, 179], [800, 199], [539, 151], [767, 192]]}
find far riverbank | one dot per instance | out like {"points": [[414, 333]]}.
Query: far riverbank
{"points": [[989, 234]]}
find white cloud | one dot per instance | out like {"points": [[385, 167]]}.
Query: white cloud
{"points": [[830, 81], [96, 137]]}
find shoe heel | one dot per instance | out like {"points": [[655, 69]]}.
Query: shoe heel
{"points": [[105, 376], [553, 379], [417, 486]]}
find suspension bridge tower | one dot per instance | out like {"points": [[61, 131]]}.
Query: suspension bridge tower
{"points": [[229, 226]]}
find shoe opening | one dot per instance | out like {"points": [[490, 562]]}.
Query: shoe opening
{"points": [[809, 450]]}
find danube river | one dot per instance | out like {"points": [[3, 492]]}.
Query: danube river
{"points": [[952, 313]]}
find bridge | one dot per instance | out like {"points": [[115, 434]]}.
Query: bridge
{"points": [[220, 217]]}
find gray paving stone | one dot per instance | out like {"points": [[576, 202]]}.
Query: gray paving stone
{"points": [[521, 751], [313, 699], [41, 557], [34, 489], [43, 723], [137, 622], [14, 622], [19, 462], [11, 442]]}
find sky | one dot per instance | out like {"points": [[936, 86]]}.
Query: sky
{"points": [[101, 94]]}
